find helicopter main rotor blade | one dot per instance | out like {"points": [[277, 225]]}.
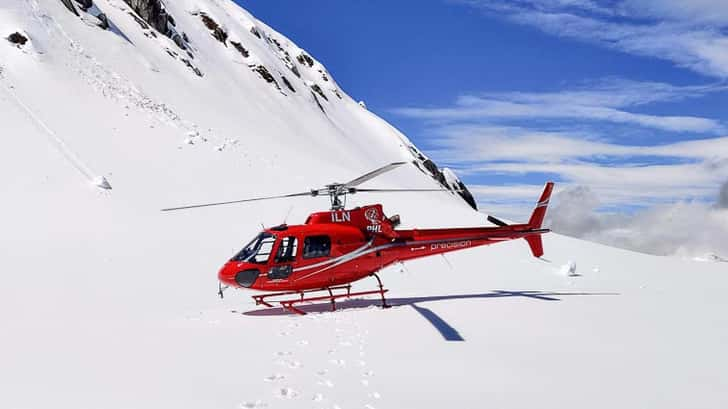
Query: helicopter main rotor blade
{"points": [[371, 175], [405, 190], [309, 193]]}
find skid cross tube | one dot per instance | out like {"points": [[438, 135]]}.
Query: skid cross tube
{"points": [[332, 297]]}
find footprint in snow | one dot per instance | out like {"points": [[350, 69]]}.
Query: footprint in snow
{"points": [[322, 372], [274, 378], [369, 373], [326, 383], [375, 395], [338, 362], [291, 364], [286, 393], [318, 397], [253, 405]]}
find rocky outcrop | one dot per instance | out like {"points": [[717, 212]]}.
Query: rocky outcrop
{"points": [[319, 91], [17, 38], [153, 12], [304, 58], [69, 5], [444, 177], [242, 50], [266, 75], [217, 31], [288, 83], [85, 4]]}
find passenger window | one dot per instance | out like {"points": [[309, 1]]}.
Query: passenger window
{"points": [[316, 246], [287, 250]]}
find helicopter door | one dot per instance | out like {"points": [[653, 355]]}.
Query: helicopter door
{"points": [[286, 253]]}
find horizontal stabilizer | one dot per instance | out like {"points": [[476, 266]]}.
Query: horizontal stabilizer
{"points": [[497, 222]]}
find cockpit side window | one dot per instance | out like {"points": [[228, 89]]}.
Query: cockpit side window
{"points": [[257, 251], [287, 250], [316, 246], [263, 253]]}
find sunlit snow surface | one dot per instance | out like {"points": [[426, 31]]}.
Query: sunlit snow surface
{"points": [[105, 302]]}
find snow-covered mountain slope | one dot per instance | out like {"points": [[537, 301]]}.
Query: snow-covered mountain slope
{"points": [[105, 302]]}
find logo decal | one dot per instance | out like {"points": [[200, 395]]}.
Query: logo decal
{"points": [[372, 215]]}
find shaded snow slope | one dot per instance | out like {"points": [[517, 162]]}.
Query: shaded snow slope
{"points": [[105, 302]]}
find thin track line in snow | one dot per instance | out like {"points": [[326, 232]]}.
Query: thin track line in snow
{"points": [[60, 144]]}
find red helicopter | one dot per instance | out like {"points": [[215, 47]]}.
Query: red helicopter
{"points": [[338, 247]]}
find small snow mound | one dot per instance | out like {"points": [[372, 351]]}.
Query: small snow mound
{"points": [[101, 182], [710, 257], [569, 269]]}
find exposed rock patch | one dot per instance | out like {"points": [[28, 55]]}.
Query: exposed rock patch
{"points": [[85, 4], [69, 5], [17, 38], [319, 91], [266, 75], [315, 98], [217, 31], [304, 59], [153, 12], [240, 49], [288, 83], [255, 32]]}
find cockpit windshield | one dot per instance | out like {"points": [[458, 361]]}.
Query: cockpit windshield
{"points": [[257, 251]]}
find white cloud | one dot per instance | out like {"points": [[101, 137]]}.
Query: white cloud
{"points": [[683, 229], [688, 33], [694, 170], [470, 137], [708, 11], [723, 196], [482, 143], [601, 101]]}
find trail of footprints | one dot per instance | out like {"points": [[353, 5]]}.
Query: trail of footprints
{"points": [[320, 376]]}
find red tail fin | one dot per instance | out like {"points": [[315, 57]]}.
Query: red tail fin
{"points": [[534, 241], [540, 211]]}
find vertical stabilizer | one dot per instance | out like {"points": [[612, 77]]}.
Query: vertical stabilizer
{"points": [[540, 211], [534, 240]]}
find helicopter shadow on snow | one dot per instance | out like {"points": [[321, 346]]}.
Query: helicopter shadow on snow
{"points": [[446, 330]]}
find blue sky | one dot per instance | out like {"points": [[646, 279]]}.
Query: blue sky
{"points": [[625, 97]]}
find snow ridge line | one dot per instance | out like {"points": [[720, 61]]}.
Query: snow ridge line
{"points": [[60, 144]]}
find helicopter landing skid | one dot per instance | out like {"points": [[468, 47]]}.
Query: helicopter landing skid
{"points": [[303, 296]]}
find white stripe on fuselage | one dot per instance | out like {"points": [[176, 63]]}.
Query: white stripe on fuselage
{"points": [[363, 251]]}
